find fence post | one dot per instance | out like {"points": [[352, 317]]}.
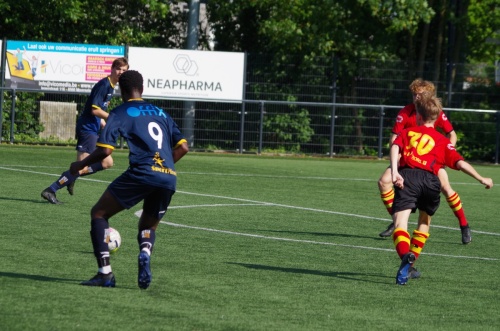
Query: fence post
{"points": [[242, 127], [12, 116], [261, 127], [381, 132], [332, 129], [498, 137], [334, 100]]}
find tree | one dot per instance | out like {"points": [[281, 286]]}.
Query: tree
{"points": [[131, 22]]}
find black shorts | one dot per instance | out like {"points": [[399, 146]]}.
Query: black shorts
{"points": [[86, 142], [421, 191], [129, 192]]}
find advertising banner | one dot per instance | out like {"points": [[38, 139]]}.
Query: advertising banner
{"points": [[51, 66], [177, 73]]}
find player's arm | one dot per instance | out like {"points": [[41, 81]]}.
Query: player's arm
{"points": [[100, 153], [393, 137], [180, 150], [469, 170], [452, 135], [97, 111], [397, 179]]}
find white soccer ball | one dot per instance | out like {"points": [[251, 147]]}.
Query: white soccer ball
{"points": [[114, 240]]}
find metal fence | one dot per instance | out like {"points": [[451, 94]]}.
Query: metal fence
{"points": [[253, 126]]}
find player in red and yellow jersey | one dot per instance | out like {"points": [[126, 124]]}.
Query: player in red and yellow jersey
{"points": [[418, 155], [406, 118]]}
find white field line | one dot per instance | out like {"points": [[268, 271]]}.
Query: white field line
{"points": [[260, 203], [15, 168], [318, 242]]}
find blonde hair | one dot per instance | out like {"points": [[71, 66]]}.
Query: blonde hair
{"points": [[419, 85], [428, 106]]}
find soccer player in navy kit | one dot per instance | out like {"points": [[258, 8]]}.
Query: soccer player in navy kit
{"points": [[90, 122], [417, 155], [155, 144]]}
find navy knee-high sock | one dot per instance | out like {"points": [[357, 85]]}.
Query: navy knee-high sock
{"points": [[93, 168], [65, 179], [146, 240], [99, 233]]}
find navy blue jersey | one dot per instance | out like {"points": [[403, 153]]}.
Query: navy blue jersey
{"points": [[151, 136], [100, 96]]}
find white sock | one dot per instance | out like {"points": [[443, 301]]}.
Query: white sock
{"points": [[105, 270], [145, 249]]}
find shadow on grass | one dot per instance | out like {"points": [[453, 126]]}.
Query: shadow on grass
{"points": [[37, 277], [41, 201], [357, 276], [57, 280]]}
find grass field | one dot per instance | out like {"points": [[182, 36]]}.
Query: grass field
{"points": [[249, 243]]}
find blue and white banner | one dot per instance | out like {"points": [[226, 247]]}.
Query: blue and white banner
{"points": [[189, 74], [58, 66]]}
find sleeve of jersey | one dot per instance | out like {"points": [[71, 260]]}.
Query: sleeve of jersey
{"points": [[111, 132], [452, 156], [399, 141], [399, 124], [444, 124], [177, 136]]}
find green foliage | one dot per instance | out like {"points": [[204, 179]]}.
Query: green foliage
{"points": [[26, 121], [400, 15], [483, 35], [120, 22], [293, 126]]}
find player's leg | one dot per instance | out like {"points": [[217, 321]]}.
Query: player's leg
{"points": [[427, 204], [79, 156], [455, 203], [98, 166], [418, 240], [103, 210], [387, 196], [84, 146], [154, 208], [421, 234], [65, 179], [401, 239]]}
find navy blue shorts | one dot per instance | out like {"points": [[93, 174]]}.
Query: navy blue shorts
{"points": [[421, 191], [129, 192], [86, 142]]}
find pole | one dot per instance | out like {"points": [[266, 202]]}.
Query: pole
{"points": [[243, 106], [381, 132], [261, 127], [334, 100], [192, 43], [2, 83]]}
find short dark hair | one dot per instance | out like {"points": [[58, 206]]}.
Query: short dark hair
{"points": [[120, 62], [130, 80]]}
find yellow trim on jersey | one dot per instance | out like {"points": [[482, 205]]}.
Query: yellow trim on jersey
{"points": [[110, 82], [180, 143], [105, 146], [135, 99]]}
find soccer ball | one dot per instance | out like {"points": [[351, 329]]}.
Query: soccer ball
{"points": [[114, 240]]}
